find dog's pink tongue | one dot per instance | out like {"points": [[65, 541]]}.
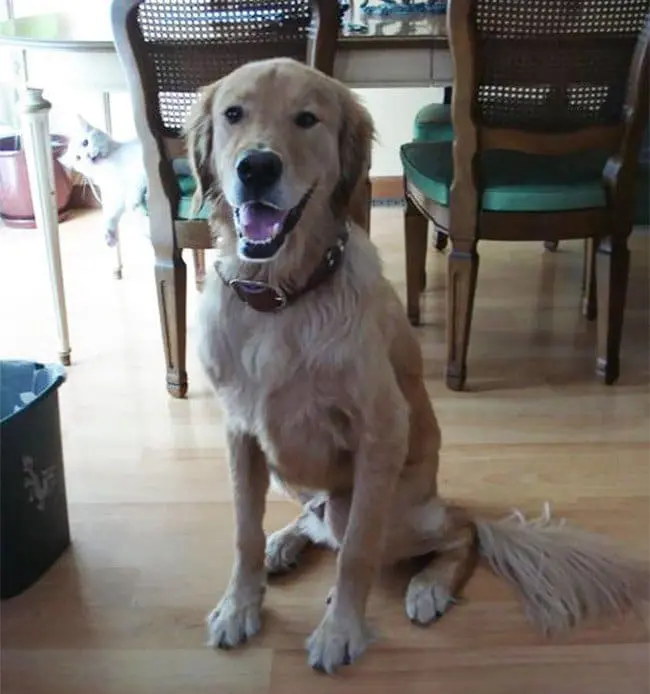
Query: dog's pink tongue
{"points": [[260, 222]]}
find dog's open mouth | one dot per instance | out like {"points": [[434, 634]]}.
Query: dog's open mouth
{"points": [[263, 228]]}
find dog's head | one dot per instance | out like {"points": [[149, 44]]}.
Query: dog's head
{"points": [[279, 141]]}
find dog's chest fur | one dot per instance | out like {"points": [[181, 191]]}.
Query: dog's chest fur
{"points": [[290, 379]]}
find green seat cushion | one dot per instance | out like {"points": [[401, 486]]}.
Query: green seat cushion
{"points": [[433, 124], [519, 182], [187, 186]]}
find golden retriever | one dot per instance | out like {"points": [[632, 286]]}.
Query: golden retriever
{"points": [[320, 374]]}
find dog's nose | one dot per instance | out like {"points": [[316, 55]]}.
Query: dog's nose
{"points": [[259, 169]]}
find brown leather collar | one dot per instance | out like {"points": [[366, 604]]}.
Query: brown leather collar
{"points": [[266, 298]]}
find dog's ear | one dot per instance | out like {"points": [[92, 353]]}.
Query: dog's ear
{"points": [[356, 135], [199, 135]]}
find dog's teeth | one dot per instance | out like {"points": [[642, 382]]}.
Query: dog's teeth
{"points": [[266, 242]]}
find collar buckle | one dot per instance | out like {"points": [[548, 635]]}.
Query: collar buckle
{"points": [[260, 295], [266, 298]]}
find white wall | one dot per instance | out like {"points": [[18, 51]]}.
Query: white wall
{"points": [[393, 111]]}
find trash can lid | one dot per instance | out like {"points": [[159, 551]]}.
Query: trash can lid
{"points": [[25, 382]]}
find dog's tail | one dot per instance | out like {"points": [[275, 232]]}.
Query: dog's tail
{"points": [[563, 574]]}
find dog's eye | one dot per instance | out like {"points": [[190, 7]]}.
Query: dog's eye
{"points": [[234, 114], [306, 119], [84, 143]]}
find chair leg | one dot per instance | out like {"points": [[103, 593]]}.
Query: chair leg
{"points": [[368, 204], [441, 239], [171, 287], [361, 204], [423, 281], [589, 298], [612, 266], [198, 256], [415, 238], [462, 271]]}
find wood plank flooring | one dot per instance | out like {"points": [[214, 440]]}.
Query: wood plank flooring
{"points": [[122, 612]]}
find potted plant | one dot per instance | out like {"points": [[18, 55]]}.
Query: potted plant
{"points": [[16, 208]]}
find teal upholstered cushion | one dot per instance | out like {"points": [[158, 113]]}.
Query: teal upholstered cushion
{"points": [[518, 182], [433, 124], [187, 186]]}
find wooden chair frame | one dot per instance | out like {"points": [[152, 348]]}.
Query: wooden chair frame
{"points": [[606, 229]]}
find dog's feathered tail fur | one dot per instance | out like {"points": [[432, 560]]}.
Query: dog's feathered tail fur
{"points": [[563, 574]]}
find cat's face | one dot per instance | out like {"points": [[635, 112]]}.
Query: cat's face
{"points": [[86, 147]]}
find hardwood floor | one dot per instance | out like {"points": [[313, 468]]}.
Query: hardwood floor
{"points": [[122, 612]]}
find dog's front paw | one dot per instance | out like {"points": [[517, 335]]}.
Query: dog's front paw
{"points": [[234, 621], [337, 641]]}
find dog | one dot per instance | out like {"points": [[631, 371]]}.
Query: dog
{"points": [[320, 375]]}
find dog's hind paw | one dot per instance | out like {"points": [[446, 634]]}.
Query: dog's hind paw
{"points": [[283, 549], [232, 623], [337, 641], [426, 601]]}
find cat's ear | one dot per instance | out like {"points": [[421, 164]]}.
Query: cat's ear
{"points": [[199, 135], [83, 123]]}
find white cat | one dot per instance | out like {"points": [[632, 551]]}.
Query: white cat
{"points": [[116, 168]]}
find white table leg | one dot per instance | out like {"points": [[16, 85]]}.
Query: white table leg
{"points": [[35, 138]]}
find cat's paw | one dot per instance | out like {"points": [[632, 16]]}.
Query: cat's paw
{"points": [[110, 236]]}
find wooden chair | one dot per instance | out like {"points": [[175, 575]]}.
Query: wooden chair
{"points": [[432, 123], [548, 111], [169, 49]]}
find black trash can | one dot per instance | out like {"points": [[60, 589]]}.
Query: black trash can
{"points": [[34, 529]]}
